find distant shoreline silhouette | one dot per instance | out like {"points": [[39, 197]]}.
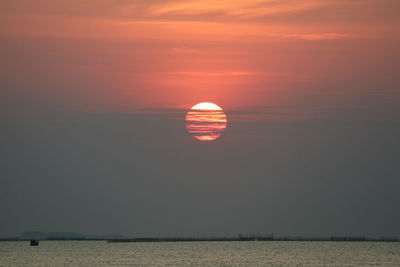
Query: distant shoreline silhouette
{"points": [[116, 238]]}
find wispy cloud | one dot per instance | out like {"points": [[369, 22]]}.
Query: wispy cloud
{"points": [[317, 36], [234, 8], [184, 49]]}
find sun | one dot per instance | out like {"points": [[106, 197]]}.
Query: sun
{"points": [[206, 121]]}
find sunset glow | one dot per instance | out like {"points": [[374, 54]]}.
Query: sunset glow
{"points": [[206, 121], [114, 121]]}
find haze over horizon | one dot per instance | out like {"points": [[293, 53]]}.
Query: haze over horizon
{"points": [[94, 95]]}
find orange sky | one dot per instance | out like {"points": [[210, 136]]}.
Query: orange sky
{"points": [[127, 55], [94, 94]]}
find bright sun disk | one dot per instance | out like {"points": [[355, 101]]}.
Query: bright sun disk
{"points": [[206, 121]]}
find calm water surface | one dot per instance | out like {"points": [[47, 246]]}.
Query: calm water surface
{"points": [[101, 253]]}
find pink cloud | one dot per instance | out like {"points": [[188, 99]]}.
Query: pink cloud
{"points": [[318, 36]]}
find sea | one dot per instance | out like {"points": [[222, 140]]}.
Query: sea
{"points": [[243, 253]]}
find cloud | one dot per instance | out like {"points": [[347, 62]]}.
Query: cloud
{"points": [[234, 8], [317, 36], [184, 49]]}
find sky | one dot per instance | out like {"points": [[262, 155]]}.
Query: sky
{"points": [[94, 95]]}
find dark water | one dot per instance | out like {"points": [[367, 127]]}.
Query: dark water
{"points": [[101, 253]]}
